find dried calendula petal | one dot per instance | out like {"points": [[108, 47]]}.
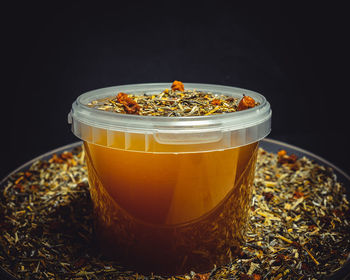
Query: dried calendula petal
{"points": [[177, 85], [130, 105], [199, 276], [298, 194], [66, 155], [216, 102], [282, 157], [246, 103], [281, 153]]}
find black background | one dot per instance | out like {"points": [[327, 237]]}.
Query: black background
{"points": [[296, 56]]}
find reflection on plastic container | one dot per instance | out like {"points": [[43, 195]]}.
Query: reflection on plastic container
{"points": [[170, 194]]}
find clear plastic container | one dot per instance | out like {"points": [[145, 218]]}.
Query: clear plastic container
{"points": [[171, 194]]}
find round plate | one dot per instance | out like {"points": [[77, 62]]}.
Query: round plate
{"points": [[267, 144]]}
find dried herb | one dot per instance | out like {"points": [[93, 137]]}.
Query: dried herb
{"points": [[130, 105], [176, 102], [177, 85], [284, 158], [246, 103], [298, 229]]}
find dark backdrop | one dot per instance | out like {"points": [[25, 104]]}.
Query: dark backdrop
{"points": [[297, 56]]}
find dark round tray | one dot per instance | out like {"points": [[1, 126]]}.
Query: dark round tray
{"points": [[269, 145]]}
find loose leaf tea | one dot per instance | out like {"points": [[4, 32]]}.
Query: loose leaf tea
{"points": [[298, 226], [174, 102]]}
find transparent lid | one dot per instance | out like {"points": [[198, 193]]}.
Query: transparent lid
{"points": [[169, 134]]}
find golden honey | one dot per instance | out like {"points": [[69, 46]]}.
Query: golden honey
{"points": [[170, 212]]}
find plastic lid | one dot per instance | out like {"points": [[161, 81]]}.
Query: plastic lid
{"points": [[158, 134]]}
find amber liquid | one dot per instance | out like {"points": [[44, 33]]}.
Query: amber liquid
{"points": [[170, 213]]}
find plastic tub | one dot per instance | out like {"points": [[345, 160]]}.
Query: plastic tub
{"points": [[171, 194]]}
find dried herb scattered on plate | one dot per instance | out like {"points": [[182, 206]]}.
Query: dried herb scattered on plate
{"points": [[299, 224]]}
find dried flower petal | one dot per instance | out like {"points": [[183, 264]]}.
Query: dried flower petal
{"points": [[177, 85], [199, 276], [246, 103], [283, 157], [298, 194], [130, 105], [216, 102]]}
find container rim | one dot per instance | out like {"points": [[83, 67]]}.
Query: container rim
{"points": [[114, 121], [143, 85]]}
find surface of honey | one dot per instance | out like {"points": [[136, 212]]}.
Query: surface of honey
{"points": [[170, 212]]}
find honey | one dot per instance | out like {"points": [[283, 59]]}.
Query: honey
{"points": [[170, 212]]}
